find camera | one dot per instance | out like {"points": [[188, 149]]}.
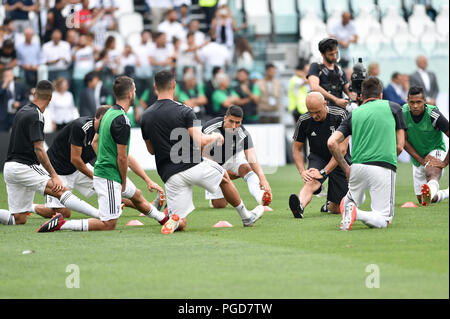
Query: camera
{"points": [[358, 76]]}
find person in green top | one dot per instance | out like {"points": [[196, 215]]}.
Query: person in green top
{"points": [[425, 143], [110, 170], [223, 97], [249, 97], [191, 93], [378, 137]]}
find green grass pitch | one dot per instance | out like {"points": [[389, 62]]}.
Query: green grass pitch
{"points": [[280, 257]]}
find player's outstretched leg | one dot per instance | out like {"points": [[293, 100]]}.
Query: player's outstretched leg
{"points": [[440, 196], [262, 197], [142, 205], [297, 204]]}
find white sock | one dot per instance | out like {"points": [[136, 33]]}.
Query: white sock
{"points": [[442, 194], [155, 214], [254, 188], [6, 218], [434, 187], [76, 225], [74, 203], [242, 211], [33, 208], [371, 219]]}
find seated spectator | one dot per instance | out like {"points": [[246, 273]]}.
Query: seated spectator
{"points": [[191, 93], [185, 18], [148, 97], [72, 38], [18, 10], [143, 67], [161, 57], [194, 27], [345, 33], [210, 87], [8, 55], [7, 31], [157, 9], [223, 97], [12, 97], [83, 63], [394, 91], [94, 95], [213, 54], [29, 58], [244, 54], [56, 55], [269, 103], [249, 96], [128, 61], [62, 104], [108, 62], [170, 26], [187, 55]]}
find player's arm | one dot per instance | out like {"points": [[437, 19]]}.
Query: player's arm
{"points": [[77, 161], [42, 156], [149, 147], [297, 153], [250, 154], [314, 83], [120, 132], [333, 143], [94, 143], [139, 171], [201, 139], [122, 164], [332, 164], [400, 135]]}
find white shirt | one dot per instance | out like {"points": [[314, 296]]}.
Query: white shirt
{"points": [[174, 29], [159, 3], [425, 78], [84, 62], [214, 54], [104, 3], [178, 3], [52, 52], [161, 54], [199, 37], [62, 107], [185, 58], [143, 52], [129, 60], [344, 32]]}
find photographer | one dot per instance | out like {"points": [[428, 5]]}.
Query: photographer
{"points": [[328, 78]]}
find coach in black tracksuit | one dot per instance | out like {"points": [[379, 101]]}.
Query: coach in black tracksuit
{"points": [[317, 126]]}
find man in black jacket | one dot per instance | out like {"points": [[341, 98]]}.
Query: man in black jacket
{"points": [[12, 97]]}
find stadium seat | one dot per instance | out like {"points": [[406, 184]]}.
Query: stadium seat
{"points": [[385, 5], [404, 41], [2, 14], [310, 24], [331, 6], [130, 23], [438, 4], [365, 22], [442, 21], [358, 5], [334, 19], [391, 21], [419, 20], [285, 16], [307, 7], [120, 43], [134, 39], [258, 16], [125, 6], [429, 40]]}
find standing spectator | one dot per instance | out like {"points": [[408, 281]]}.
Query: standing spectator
{"points": [[210, 87], [56, 54], [72, 38], [143, 67], [209, 8], [157, 10], [55, 20], [187, 55], [223, 97], [8, 55], [94, 95], [213, 54], [223, 27], [191, 93], [345, 33], [161, 57], [298, 91], [185, 18], [170, 26], [250, 95], [269, 103], [83, 63], [18, 11], [128, 61], [12, 97], [394, 91], [244, 54], [29, 58], [425, 79], [194, 27], [84, 16], [8, 30], [108, 62], [373, 69], [62, 106]]}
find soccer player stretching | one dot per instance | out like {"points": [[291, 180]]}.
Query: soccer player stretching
{"points": [[110, 170], [170, 133], [425, 143], [378, 131]]}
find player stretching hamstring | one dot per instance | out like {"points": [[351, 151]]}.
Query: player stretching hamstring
{"points": [[425, 143]]}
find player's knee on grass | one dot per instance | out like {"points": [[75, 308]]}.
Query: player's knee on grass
{"points": [[432, 173], [20, 218], [244, 169], [219, 203]]}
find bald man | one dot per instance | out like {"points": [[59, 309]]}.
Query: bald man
{"points": [[316, 126], [345, 33], [425, 79]]}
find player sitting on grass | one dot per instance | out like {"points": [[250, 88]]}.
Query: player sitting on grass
{"points": [[72, 150], [237, 156], [171, 134], [28, 169], [110, 170], [425, 143], [316, 126]]}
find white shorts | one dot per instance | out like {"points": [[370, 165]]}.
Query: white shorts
{"points": [[22, 182], [381, 184], [208, 175], [110, 197], [77, 181], [232, 164], [419, 176]]}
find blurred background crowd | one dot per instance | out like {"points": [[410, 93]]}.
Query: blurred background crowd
{"points": [[252, 53]]}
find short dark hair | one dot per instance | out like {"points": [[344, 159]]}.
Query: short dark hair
{"points": [[44, 90], [243, 70], [395, 75], [327, 44], [216, 70], [101, 111], [235, 110], [8, 44], [122, 86], [163, 80], [414, 90], [371, 87], [90, 76], [269, 66]]}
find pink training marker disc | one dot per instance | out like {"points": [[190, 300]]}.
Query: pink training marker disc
{"points": [[141, 215], [134, 223], [223, 223], [409, 204]]}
